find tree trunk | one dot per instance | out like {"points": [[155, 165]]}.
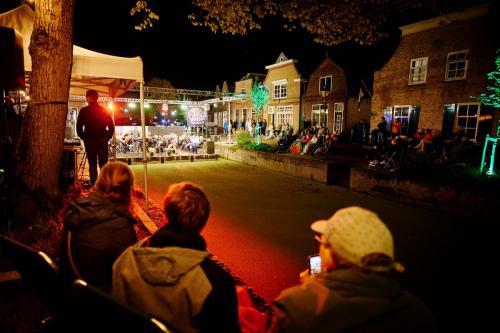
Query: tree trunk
{"points": [[41, 144]]}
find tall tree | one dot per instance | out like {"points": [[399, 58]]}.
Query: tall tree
{"points": [[259, 98], [330, 22], [42, 136]]}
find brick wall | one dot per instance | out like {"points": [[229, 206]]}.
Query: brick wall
{"points": [[391, 82], [290, 73]]}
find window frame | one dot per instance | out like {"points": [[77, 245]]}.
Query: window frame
{"points": [[447, 69], [411, 71], [284, 113], [457, 117], [398, 111], [319, 110], [280, 87], [325, 77]]}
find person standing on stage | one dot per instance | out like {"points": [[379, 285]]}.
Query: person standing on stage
{"points": [[95, 127]]}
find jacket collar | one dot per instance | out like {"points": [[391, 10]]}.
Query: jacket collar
{"points": [[174, 234]]}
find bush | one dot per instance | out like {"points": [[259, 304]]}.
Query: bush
{"points": [[245, 141], [456, 175], [258, 147], [243, 138]]}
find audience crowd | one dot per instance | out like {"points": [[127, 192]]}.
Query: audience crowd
{"points": [[171, 276]]}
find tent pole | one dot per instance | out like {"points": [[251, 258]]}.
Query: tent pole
{"points": [[144, 153], [113, 140]]}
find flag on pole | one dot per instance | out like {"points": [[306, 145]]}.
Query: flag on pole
{"points": [[360, 96]]}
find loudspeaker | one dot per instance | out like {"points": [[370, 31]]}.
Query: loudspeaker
{"points": [[11, 60], [210, 147]]}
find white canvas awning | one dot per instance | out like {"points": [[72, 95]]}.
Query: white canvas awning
{"points": [[108, 74]]}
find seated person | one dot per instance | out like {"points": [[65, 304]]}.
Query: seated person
{"points": [[356, 289], [426, 140], [417, 138], [170, 275], [271, 131], [296, 146], [101, 227], [308, 148]]}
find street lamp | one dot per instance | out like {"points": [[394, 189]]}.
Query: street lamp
{"points": [[325, 94]]}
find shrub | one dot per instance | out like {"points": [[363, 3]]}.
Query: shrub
{"points": [[245, 141], [456, 175]]}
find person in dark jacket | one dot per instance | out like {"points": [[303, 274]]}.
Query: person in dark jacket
{"points": [[381, 130], [95, 127], [100, 227], [171, 275], [356, 289]]}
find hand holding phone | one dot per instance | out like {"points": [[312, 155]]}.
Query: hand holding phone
{"points": [[314, 264]]}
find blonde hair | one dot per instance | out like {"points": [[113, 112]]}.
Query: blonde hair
{"points": [[185, 203], [116, 182]]}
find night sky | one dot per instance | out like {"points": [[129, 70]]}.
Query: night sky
{"points": [[195, 58]]}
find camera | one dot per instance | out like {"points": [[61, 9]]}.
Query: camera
{"points": [[314, 264]]}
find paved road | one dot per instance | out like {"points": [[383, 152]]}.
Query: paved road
{"points": [[259, 226]]}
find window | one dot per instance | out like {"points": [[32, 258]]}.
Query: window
{"points": [[237, 115], [467, 116], [407, 114], [403, 113], [270, 115], [456, 65], [243, 91], [320, 114], [325, 83], [279, 89], [284, 115], [418, 70], [338, 117]]}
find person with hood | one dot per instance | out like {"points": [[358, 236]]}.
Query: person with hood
{"points": [[99, 228], [356, 289], [171, 276]]}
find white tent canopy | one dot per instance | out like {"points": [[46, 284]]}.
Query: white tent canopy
{"points": [[110, 75]]}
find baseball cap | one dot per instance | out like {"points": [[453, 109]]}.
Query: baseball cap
{"points": [[354, 233]]}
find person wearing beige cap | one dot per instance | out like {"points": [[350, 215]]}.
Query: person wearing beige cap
{"points": [[356, 290]]}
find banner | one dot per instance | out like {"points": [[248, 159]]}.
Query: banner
{"points": [[196, 116]]}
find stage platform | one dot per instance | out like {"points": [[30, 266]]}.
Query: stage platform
{"points": [[82, 172], [183, 156]]}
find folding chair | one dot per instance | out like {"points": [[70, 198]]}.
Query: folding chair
{"points": [[41, 275], [99, 312], [392, 163]]}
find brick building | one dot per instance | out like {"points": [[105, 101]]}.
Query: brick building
{"points": [[241, 110], [327, 99], [284, 83], [438, 65]]}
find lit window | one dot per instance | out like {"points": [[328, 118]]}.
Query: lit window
{"points": [[456, 65], [284, 115], [325, 83], [320, 114], [467, 117], [280, 89], [418, 70]]}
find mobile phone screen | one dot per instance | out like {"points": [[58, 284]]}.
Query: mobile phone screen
{"points": [[314, 264]]}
